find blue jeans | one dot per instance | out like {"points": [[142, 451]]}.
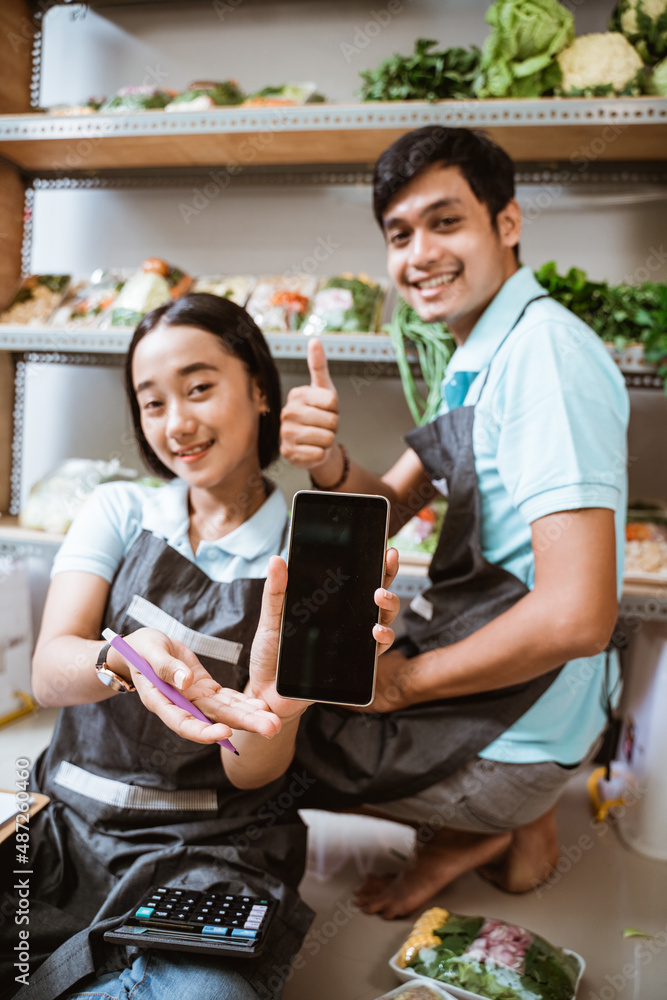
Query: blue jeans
{"points": [[165, 975]]}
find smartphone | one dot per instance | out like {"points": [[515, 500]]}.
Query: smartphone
{"points": [[335, 564]]}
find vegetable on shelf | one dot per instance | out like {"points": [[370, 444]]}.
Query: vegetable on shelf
{"points": [[36, 298], [434, 346], [345, 304], [137, 98], [644, 24], [416, 541], [86, 302], [156, 284], [602, 64], [236, 287], [621, 315], [426, 75], [278, 304], [202, 95], [519, 56], [287, 95], [655, 79]]}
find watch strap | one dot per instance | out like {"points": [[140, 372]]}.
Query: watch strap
{"points": [[109, 677]]}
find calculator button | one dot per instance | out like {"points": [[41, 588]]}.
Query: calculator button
{"points": [[241, 932], [144, 912], [211, 929]]}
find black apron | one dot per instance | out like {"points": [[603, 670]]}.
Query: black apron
{"points": [[371, 758], [132, 804]]}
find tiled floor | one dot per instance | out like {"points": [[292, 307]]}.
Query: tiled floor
{"points": [[603, 889]]}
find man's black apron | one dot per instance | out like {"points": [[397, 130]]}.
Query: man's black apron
{"points": [[370, 758], [133, 804]]}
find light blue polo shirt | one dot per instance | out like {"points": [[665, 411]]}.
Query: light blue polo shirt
{"points": [[115, 514], [549, 435]]}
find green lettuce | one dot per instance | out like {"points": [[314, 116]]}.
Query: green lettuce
{"points": [[426, 75], [519, 56]]}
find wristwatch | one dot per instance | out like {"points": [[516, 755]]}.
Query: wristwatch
{"points": [[108, 677]]}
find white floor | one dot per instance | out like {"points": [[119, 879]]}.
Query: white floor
{"points": [[603, 889]]}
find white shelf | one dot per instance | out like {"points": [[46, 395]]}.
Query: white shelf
{"points": [[361, 347], [544, 129], [338, 346]]}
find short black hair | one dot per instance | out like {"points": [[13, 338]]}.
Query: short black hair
{"points": [[487, 168], [241, 337]]}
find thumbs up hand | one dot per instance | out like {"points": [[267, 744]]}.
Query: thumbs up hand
{"points": [[309, 419]]}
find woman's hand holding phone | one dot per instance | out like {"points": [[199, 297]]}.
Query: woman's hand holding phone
{"points": [[173, 662]]}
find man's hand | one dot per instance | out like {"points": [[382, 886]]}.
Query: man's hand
{"points": [[392, 684], [309, 420]]}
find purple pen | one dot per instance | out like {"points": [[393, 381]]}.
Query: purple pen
{"points": [[175, 696]]}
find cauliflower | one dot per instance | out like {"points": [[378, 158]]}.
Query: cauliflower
{"points": [[644, 24], [600, 64]]}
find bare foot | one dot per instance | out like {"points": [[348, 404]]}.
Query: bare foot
{"points": [[530, 858], [433, 866]]}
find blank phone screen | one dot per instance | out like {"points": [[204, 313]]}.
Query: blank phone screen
{"points": [[336, 561]]}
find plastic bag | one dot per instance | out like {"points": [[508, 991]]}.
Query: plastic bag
{"points": [[56, 499]]}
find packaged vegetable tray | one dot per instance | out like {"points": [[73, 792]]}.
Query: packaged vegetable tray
{"points": [[156, 284], [417, 989], [347, 303], [138, 98], [417, 539], [477, 958], [285, 95], [236, 287], [203, 95], [87, 301], [279, 304], [36, 299]]}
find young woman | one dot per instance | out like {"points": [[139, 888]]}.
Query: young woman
{"points": [[138, 787]]}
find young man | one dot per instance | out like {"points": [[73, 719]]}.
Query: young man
{"points": [[502, 688]]}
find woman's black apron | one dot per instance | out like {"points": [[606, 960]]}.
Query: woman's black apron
{"points": [[132, 804], [361, 758]]}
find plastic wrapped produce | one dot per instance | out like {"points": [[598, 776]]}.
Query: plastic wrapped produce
{"points": [[346, 304], [56, 499], [235, 287], [36, 299], [202, 95], [156, 284], [417, 990], [478, 957], [646, 546], [285, 95], [417, 539], [87, 301], [279, 304], [138, 98]]}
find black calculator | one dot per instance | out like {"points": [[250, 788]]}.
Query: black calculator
{"points": [[210, 923]]}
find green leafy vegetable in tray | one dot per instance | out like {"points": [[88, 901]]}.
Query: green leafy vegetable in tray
{"points": [[490, 958]]}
